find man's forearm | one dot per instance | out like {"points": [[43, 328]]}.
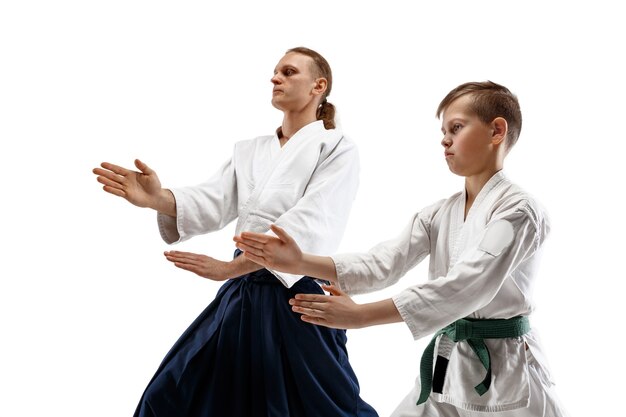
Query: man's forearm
{"points": [[165, 203], [241, 266]]}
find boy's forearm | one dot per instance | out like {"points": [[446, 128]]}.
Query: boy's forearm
{"points": [[379, 312], [321, 267]]}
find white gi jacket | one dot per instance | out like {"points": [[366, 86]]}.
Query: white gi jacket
{"points": [[306, 187], [483, 267]]}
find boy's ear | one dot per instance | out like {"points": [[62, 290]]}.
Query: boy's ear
{"points": [[499, 128]]}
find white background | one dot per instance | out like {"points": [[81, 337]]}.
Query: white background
{"points": [[89, 305]]}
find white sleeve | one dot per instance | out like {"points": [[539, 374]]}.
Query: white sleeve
{"points": [[203, 208], [384, 264], [476, 278], [318, 220]]}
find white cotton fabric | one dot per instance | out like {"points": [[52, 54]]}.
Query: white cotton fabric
{"points": [[306, 187], [498, 236], [483, 266]]}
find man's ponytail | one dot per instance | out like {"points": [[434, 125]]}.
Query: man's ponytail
{"points": [[326, 112]]}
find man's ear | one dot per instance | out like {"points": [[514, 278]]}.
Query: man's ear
{"points": [[320, 86], [499, 128]]}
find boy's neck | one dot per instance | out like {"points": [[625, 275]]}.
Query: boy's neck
{"points": [[475, 183]]}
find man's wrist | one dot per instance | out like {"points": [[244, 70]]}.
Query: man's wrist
{"points": [[239, 266], [165, 203]]}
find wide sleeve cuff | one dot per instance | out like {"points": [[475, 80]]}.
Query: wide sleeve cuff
{"points": [[167, 228], [170, 227], [400, 301], [347, 280]]}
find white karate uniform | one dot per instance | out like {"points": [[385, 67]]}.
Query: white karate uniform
{"points": [[483, 266], [306, 187]]}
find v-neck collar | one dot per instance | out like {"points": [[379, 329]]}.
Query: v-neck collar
{"points": [[303, 131], [489, 185], [458, 226]]}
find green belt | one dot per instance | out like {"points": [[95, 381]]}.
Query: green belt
{"points": [[475, 331]]}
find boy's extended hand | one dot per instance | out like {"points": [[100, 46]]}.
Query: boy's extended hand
{"points": [[337, 310], [281, 253]]}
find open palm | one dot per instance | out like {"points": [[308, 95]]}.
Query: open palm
{"points": [[139, 188]]}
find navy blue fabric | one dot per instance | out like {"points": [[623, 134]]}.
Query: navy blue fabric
{"points": [[249, 355]]}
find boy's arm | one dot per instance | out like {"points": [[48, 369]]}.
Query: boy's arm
{"points": [[476, 278], [384, 264], [282, 253], [355, 273], [469, 285], [340, 312]]}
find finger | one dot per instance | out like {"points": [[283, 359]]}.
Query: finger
{"points": [[185, 259], [115, 168], [143, 167], [255, 237], [245, 248], [334, 290], [315, 320], [320, 322], [171, 258], [187, 267], [250, 243], [180, 253], [311, 312], [110, 183], [280, 232], [309, 304], [250, 249], [256, 259], [312, 297], [172, 255], [108, 175], [114, 191]]}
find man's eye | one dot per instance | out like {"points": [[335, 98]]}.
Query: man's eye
{"points": [[289, 72]]}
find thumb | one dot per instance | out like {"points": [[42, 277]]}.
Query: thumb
{"points": [[143, 167], [333, 290], [280, 232]]}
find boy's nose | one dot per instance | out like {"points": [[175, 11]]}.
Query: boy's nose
{"points": [[446, 142]]}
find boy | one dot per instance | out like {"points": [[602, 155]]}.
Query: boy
{"points": [[484, 245]]}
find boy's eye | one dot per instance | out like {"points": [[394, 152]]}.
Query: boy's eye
{"points": [[456, 128]]}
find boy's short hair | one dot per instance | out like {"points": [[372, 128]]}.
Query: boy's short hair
{"points": [[490, 100]]}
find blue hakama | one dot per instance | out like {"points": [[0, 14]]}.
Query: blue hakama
{"points": [[249, 355]]}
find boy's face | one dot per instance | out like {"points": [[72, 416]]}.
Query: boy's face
{"points": [[466, 139]]}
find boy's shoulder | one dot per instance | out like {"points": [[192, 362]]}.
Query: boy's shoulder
{"points": [[512, 198], [513, 192]]}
